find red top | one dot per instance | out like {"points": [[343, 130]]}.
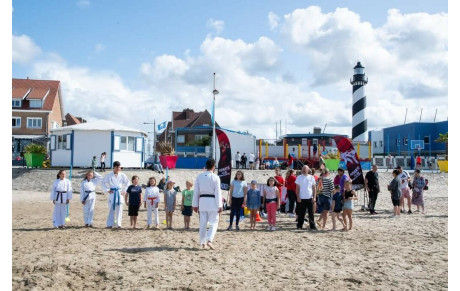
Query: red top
{"points": [[419, 160], [290, 182], [280, 180], [290, 160]]}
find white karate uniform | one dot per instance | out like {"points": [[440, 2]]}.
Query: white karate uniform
{"points": [[121, 182], [60, 192], [87, 190], [152, 198], [207, 183]]}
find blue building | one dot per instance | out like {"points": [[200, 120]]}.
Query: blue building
{"points": [[407, 138]]}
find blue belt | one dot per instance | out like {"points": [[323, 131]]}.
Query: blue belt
{"points": [[116, 196], [59, 194], [87, 192]]}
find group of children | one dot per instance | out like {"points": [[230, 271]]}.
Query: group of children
{"points": [[61, 194]]}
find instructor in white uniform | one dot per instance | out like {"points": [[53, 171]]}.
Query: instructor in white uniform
{"points": [[208, 201]]}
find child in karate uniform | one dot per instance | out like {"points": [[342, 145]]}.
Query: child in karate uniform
{"points": [[151, 200], [61, 194], [88, 196]]}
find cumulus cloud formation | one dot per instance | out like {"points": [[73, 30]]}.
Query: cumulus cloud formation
{"points": [[405, 60], [217, 25], [24, 49]]}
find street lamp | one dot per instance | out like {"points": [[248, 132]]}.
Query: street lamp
{"points": [[154, 135], [214, 93]]}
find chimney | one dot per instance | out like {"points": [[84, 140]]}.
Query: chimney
{"points": [[188, 113], [316, 130]]}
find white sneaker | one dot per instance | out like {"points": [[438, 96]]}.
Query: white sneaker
{"points": [[269, 228], [291, 215], [273, 228]]}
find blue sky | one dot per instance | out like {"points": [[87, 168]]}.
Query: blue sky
{"points": [[274, 60]]}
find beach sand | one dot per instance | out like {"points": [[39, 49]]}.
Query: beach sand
{"points": [[380, 253]]}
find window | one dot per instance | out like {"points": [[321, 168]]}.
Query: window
{"points": [[16, 103], [181, 138], [35, 103], [200, 136], [34, 122], [426, 139], [16, 121], [62, 142], [381, 143], [127, 143], [405, 140], [375, 144], [54, 125]]}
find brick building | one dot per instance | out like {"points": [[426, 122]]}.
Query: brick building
{"points": [[36, 109]]}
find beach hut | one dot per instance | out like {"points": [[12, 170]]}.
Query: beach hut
{"points": [[77, 144]]}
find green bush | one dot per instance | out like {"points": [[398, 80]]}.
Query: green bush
{"points": [[34, 148]]}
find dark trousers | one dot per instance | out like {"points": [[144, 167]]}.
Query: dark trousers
{"points": [[237, 164], [235, 209], [302, 207], [292, 200], [102, 166], [372, 200]]}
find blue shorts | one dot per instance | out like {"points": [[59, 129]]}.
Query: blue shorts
{"points": [[348, 204], [254, 206], [324, 202]]}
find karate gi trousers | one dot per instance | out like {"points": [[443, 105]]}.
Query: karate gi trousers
{"points": [[59, 214], [152, 208], [207, 235], [88, 210]]}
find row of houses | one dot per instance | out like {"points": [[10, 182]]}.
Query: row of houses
{"points": [[38, 116]]}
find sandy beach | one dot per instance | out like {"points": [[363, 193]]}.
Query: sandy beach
{"points": [[380, 253]]}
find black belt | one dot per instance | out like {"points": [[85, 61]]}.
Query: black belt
{"points": [[271, 200], [59, 193], [208, 195]]}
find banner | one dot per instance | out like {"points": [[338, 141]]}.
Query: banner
{"points": [[350, 157], [224, 167]]}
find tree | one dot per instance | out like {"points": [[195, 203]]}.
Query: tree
{"points": [[443, 138]]}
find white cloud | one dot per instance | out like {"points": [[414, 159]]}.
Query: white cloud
{"points": [[256, 90], [99, 47], [24, 49], [83, 3], [217, 25], [273, 20]]}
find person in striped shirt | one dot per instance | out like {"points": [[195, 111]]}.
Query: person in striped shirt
{"points": [[326, 186]]}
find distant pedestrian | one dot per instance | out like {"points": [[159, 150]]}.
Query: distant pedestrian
{"points": [[244, 158], [102, 161], [395, 189], [372, 186], [419, 184], [237, 160], [94, 163]]}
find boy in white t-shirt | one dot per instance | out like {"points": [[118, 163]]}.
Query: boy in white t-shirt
{"points": [[405, 190]]}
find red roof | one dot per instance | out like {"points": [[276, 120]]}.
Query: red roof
{"points": [[39, 88], [71, 120]]}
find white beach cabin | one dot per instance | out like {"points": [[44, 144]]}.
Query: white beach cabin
{"points": [[76, 145]]}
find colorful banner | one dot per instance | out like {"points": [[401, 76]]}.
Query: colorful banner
{"points": [[349, 155], [224, 167]]}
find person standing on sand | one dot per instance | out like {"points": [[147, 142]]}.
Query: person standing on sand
{"points": [[306, 197], [373, 188], [237, 160], [88, 196], [115, 183], [102, 161], [207, 199], [61, 194], [405, 190]]}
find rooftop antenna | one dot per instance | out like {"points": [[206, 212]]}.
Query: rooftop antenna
{"points": [[420, 115], [435, 115], [324, 127], [405, 117]]}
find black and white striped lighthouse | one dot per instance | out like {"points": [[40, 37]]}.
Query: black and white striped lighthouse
{"points": [[359, 121]]}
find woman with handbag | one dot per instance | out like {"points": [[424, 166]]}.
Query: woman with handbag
{"points": [[417, 191]]}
